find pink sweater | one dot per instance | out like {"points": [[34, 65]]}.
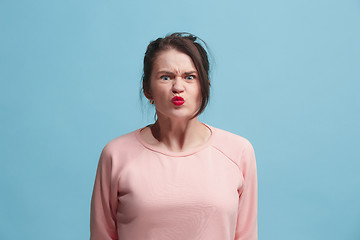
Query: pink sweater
{"points": [[145, 193]]}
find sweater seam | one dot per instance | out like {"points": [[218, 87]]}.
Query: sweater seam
{"points": [[118, 177], [228, 158], [239, 168], [136, 156]]}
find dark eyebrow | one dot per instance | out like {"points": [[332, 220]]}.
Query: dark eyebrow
{"points": [[192, 72], [165, 72], [171, 73]]}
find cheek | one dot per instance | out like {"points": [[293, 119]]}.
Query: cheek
{"points": [[199, 98], [153, 89], [158, 91]]}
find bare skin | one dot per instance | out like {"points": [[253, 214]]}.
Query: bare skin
{"points": [[175, 137]]}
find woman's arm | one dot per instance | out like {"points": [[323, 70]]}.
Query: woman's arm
{"points": [[246, 228], [103, 204]]}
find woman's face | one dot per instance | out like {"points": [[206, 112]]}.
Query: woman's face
{"points": [[174, 85]]}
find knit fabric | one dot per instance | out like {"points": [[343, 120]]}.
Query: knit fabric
{"points": [[142, 192]]}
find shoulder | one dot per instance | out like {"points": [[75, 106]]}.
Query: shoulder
{"points": [[226, 135], [127, 140], [124, 145], [235, 147], [229, 141]]}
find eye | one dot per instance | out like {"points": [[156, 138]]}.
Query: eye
{"points": [[190, 77], [165, 77]]}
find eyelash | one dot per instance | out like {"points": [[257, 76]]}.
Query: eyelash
{"points": [[187, 77], [165, 76]]}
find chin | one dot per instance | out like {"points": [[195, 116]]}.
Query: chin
{"points": [[178, 115]]}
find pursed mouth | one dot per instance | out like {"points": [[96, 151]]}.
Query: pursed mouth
{"points": [[177, 100]]}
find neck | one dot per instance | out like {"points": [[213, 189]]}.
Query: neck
{"points": [[180, 135]]}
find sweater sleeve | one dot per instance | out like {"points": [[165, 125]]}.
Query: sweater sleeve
{"points": [[103, 201], [246, 228]]}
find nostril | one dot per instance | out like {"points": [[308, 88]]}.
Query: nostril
{"points": [[177, 90]]}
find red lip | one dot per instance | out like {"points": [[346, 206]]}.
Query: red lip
{"points": [[178, 101]]}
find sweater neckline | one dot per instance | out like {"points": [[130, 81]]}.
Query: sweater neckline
{"points": [[173, 153]]}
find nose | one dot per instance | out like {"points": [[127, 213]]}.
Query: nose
{"points": [[178, 85]]}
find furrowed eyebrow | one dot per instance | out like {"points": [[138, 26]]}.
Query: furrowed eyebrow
{"points": [[192, 72], [171, 73], [165, 72]]}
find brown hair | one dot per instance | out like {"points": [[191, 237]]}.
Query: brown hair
{"points": [[186, 43]]}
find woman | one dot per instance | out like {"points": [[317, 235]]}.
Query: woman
{"points": [[177, 178]]}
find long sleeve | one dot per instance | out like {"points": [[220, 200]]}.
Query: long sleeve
{"points": [[103, 203], [246, 228]]}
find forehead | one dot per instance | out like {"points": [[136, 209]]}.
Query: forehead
{"points": [[174, 60]]}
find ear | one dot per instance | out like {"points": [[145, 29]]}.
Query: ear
{"points": [[147, 93], [148, 96]]}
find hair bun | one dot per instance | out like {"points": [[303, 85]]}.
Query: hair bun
{"points": [[184, 35]]}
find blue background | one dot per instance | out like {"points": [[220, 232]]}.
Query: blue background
{"points": [[285, 75]]}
